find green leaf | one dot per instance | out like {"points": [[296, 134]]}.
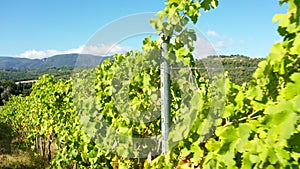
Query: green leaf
{"points": [[244, 130], [182, 52], [278, 108], [228, 133], [255, 93], [292, 89], [185, 152], [213, 145], [282, 18], [253, 158], [296, 46], [198, 153], [228, 111], [277, 53], [297, 103]]}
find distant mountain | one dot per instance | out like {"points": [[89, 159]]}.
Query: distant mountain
{"points": [[65, 60], [12, 62]]}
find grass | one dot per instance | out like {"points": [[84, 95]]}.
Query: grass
{"points": [[13, 154]]}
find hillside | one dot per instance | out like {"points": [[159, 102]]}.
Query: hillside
{"points": [[240, 68], [65, 60], [18, 63]]}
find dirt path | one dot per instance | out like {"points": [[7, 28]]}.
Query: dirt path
{"points": [[13, 154]]}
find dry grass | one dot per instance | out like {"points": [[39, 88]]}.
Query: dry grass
{"points": [[13, 154]]}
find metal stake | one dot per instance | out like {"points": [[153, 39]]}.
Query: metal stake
{"points": [[165, 95]]}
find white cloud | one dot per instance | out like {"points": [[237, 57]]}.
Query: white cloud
{"points": [[34, 54], [213, 34], [99, 50], [221, 41]]}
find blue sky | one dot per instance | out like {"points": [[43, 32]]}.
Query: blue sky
{"points": [[36, 28]]}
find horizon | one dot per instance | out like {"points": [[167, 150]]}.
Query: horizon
{"points": [[218, 55]]}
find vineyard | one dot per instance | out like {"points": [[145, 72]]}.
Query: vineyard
{"points": [[109, 116]]}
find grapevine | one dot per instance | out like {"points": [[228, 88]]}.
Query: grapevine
{"points": [[255, 125]]}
